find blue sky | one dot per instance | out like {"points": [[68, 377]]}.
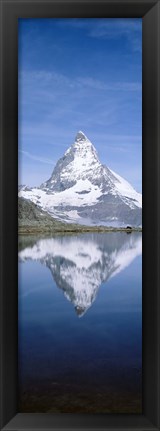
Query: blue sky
{"points": [[80, 74]]}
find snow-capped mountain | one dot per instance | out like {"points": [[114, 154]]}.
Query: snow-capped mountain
{"points": [[80, 264], [83, 190]]}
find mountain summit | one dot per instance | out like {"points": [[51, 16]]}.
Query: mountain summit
{"points": [[83, 190], [80, 137], [77, 164]]}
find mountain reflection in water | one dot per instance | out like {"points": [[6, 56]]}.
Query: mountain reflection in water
{"points": [[91, 364], [79, 264]]}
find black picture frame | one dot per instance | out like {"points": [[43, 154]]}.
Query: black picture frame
{"points": [[10, 12]]}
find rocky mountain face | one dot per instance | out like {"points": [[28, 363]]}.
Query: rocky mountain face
{"points": [[30, 214], [83, 190], [32, 218], [80, 264]]}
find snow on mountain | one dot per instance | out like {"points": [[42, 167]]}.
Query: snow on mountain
{"points": [[126, 190], [81, 189], [80, 264]]}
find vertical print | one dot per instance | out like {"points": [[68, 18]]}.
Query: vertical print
{"points": [[80, 215]]}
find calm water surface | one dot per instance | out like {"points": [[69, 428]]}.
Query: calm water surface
{"points": [[80, 318]]}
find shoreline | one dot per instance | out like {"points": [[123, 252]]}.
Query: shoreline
{"points": [[100, 229]]}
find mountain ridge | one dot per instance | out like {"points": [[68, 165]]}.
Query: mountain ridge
{"points": [[83, 190], [32, 219]]}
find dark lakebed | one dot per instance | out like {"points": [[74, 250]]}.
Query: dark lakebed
{"points": [[80, 323]]}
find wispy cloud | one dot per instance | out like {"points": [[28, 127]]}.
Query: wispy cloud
{"points": [[114, 27], [37, 158], [110, 28], [110, 86], [47, 80], [53, 107], [53, 97]]}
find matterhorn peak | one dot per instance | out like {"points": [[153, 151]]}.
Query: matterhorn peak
{"points": [[83, 190], [80, 137]]}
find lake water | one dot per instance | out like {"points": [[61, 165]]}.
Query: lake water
{"points": [[80, 323]]}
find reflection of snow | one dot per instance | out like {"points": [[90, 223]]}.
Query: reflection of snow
{"points": [[81, 263], [126, 256], [82, 253]]}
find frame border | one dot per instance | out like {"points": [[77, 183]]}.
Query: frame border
{"points": [[149, 10]]}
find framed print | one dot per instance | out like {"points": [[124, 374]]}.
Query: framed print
{"points": [[84, 222], [80, 106]]}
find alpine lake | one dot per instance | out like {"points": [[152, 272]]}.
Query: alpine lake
{"points": [[80, 323]]}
